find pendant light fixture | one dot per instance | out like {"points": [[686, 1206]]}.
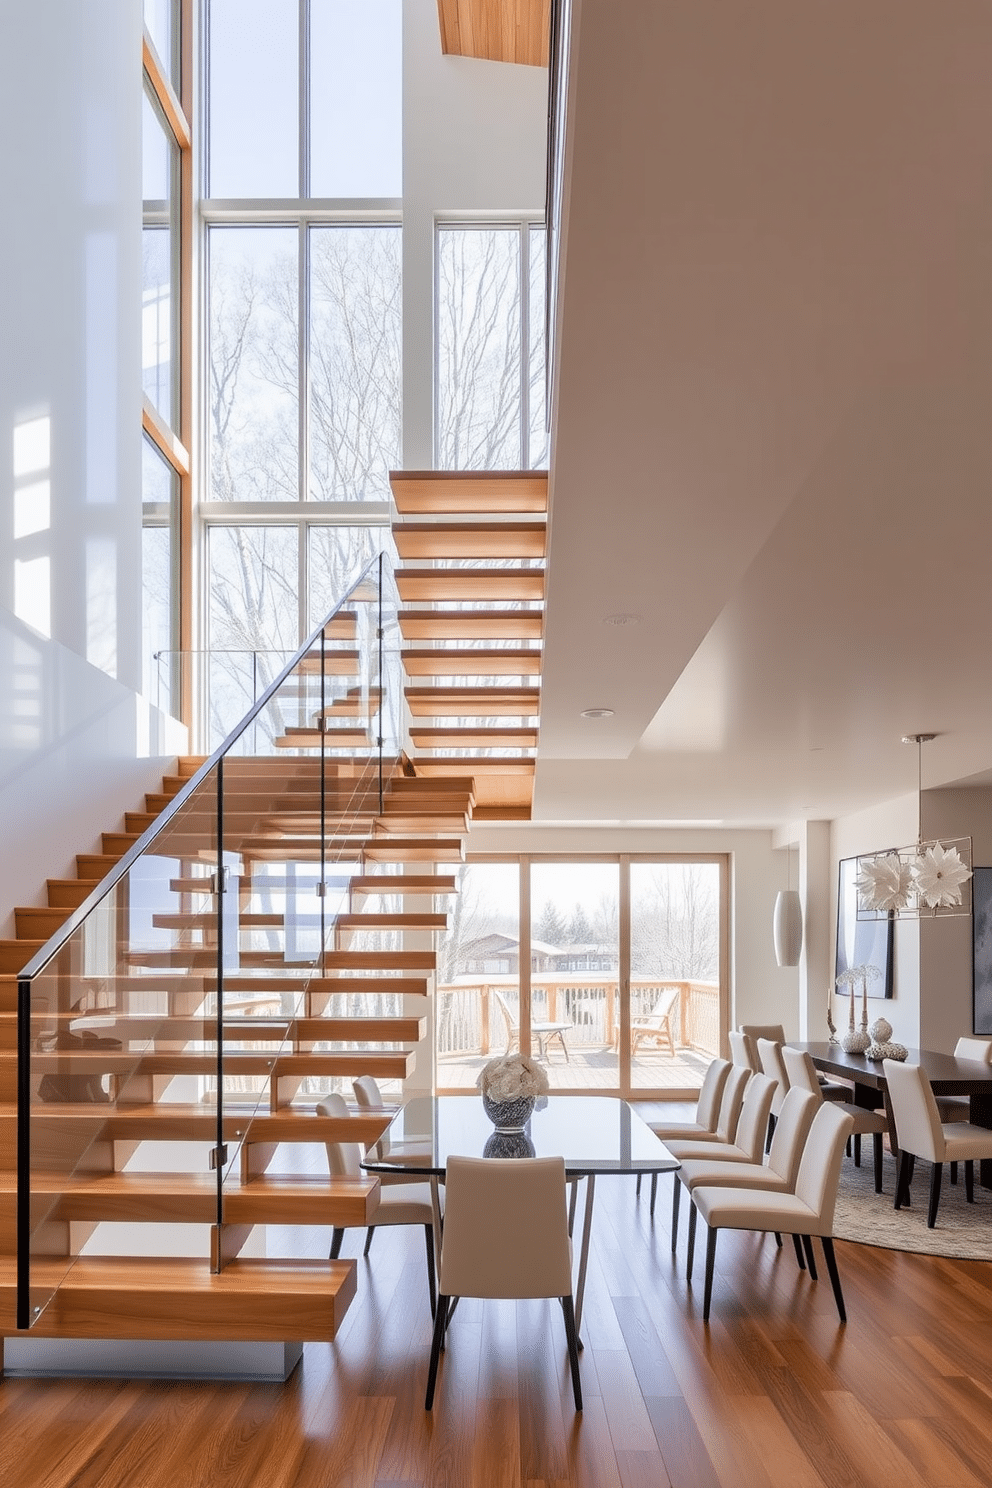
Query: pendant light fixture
{"points": [[930, 879], [787, 924]]}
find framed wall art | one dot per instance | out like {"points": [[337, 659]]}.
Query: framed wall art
{"points": [[863, 942]]}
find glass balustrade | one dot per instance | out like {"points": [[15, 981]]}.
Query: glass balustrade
{"points": [[179, 1011]]}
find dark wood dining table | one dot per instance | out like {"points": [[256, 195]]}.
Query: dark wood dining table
{"points": [[947, 1074]]}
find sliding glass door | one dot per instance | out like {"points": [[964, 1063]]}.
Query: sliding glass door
{"points": [[612, 970]]}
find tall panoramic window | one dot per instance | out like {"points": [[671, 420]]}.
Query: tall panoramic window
{"points": [[490, 347], [166, 348], [302, 395]]}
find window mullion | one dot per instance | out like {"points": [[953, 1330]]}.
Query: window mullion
{"points": [[303, 359], [524, 346]]}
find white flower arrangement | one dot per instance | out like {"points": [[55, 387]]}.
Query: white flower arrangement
{"points": [[940, 876], [927, 877], [512, 1077], [885, 883]]}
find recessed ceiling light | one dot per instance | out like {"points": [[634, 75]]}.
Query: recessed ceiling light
{"points": [[596, 713], [621, 620]]}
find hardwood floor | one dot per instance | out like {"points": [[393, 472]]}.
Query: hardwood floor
{"points": [[774, 1392]]}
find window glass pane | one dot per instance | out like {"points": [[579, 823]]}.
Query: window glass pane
{"points": [[336, 557], [161, 21], [156, 615], [160, 162], [354, 361], [674, 972], [159, 492], [254, 98], [538, 453], [254, 364], [479, 349], [478, 987], [356, 98], [575, 968], [253, 618]]}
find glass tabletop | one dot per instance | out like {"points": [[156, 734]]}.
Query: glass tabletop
{"points": [[594, 1134]]}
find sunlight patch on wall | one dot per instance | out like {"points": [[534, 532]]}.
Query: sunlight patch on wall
{"points": [[101, 604], [33, 593]]}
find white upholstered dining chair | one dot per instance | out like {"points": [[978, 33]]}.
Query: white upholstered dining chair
{"points": [[921, 1133], [864, 1123], [505, 1235], [807, 1212], [407, 1202]]}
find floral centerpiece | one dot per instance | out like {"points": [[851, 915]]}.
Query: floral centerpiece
{"points": [[509, 1087]]}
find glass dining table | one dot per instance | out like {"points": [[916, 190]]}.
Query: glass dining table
{"points": [[596, 1135]]}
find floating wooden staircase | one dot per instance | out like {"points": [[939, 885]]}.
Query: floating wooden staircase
{"points": [[293, 1024], [472, 548]]}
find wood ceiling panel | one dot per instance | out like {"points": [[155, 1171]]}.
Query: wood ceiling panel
{"points": [[496, 30]]}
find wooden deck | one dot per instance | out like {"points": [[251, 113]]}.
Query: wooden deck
{"points": [[588, 1069]]}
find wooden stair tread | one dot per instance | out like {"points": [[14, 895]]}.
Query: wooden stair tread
{"points": [[170, 1298], [470, 583], [402, 883], [239, 1061], [480, 702], [489, 539], [172, 1121], [470, 625], [414, 849], [472, 662], [455, 736], [462, 491], [159, 1030], [323, 985]]}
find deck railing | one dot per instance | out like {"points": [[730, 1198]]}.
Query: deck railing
{"points": [[470, 1019]]}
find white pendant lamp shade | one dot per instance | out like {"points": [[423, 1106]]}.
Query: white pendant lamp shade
{"points": [[787, 927]]}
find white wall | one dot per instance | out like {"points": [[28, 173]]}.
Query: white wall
{"points": [[71, 726], [761, 991], [946, 944], [474, 138], [890, 824]]}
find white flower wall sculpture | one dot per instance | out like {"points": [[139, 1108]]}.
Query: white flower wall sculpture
{"points": [[940, 876], [885, 883]]}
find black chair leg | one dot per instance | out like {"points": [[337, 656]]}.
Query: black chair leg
{"points": [[654, 1191], [935, 1176], [778, 1239], [969, 1181], [771, 1132], [440, 1320], [710, 1258], [431, 1280], [810, 1257], [902, 1180], [692, 1240], [568, 1308], [877, 1144], [828, 1253], [800, 1258], [857, 1149], [954, 1172], [336, 1237], [637, 1188], [676, 1195], [369, 1233]]}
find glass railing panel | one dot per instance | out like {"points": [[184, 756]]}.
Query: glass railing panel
{"points": [[297, 816], [152, 1028], [116, 1038]]}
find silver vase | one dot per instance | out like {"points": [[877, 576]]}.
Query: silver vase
{"points": [[509, 1115]]}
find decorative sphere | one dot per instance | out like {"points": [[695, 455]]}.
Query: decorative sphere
{"points": [[881, 1031]]}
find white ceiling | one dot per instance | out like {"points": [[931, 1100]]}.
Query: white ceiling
{"points": [[773, 416]]}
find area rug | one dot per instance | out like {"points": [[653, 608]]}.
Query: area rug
{"points": [[963, 1230]]}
